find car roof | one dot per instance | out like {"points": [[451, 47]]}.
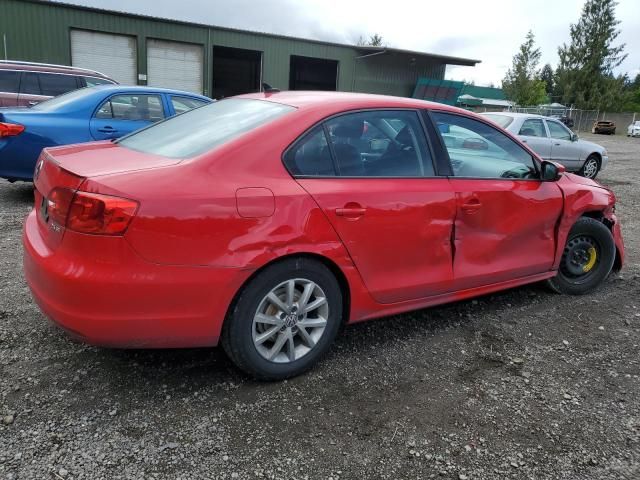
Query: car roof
{"points": [[518, 115], [143, 89], [50, 68], [308, 100]]}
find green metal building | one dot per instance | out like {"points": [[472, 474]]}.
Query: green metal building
{"points": [[219, 62]]}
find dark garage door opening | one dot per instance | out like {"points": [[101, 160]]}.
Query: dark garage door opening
{"points": [[307, 73], [235, 71]]}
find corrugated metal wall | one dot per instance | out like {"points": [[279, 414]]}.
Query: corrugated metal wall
{"points": [[40, 32]]}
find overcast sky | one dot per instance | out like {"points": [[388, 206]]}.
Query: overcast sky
{"points": [[487, 30]]}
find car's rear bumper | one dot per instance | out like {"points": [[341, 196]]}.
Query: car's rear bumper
{"points": [[107, 295]]}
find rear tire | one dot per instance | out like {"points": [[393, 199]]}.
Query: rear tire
{"points": [[591, 167], [272, 332], [587, 259]]}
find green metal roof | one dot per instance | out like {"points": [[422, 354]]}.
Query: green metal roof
{"points": [[483, 92], [450, 92]]}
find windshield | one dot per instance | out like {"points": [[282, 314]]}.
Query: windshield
{"points": [[63, 100], [503, 120], [204, 128]]}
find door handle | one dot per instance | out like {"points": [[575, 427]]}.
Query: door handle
{"points": [[107, 129], [472, 206], [523, 141], [351, 210], [32, 103], [557, 144]]}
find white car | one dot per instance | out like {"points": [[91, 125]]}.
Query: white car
{"points": [[633, 130], [552, 140]]}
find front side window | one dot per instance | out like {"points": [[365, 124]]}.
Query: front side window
{"points": [[558, 131], [533, 127], [477, 150], [53, 85], [132, 107], [9, 81], [203, 129], [184, 104], [382, 143]]}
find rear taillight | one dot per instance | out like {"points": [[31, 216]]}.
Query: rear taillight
{"points": [[10, 129], [58, 204], [92, 213]]}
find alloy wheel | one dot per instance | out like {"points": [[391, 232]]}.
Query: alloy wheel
{"points": [[590, 168], [290, 320]]}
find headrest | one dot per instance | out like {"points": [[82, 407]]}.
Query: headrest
{"points": [[404, 136]]}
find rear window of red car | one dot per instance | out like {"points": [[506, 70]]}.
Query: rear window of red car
{"points": [[205, 128]]}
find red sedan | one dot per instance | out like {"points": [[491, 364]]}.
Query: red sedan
{"points": [[267, 221]]}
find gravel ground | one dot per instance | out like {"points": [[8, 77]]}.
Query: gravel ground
{"points": [[524, 384]]}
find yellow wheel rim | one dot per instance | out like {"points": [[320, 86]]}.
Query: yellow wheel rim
{"points": [[593, 256]]}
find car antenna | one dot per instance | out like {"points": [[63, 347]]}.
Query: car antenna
{"points": [[266, 88]]}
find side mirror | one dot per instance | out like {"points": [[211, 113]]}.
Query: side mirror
{"points": [[552, 171], [574, 137]]}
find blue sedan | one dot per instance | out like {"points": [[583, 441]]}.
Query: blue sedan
{"points": [[98, 113]]}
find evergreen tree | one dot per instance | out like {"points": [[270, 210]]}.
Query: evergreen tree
{"points": [[585, 72], [522, 84], [374, 40], [546, 75], [631, 94]]}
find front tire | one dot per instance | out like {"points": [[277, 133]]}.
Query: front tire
{"points": [[591, 167], [284, 320], [587, 259]]}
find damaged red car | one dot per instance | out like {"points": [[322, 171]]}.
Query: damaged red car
{"points": [[265, 222]]}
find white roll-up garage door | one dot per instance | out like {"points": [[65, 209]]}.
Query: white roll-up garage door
{"points": [[175, 65], [113, 55]]}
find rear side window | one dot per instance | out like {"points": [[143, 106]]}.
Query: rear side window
{"points": [[382, 143], [29, 84], [203, 129], [311, 156], [184, 104], [477, 150], [132, 107], [9, 81], [53, 85], [93, 81], [533, 128], [376, 143]]}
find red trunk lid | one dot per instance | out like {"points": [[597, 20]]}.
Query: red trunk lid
{"points": [[104, 158], [71, 165]]}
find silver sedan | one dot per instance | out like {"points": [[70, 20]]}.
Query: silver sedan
{"points": [[550, 139]]}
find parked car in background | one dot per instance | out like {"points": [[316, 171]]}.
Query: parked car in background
{"points": [[137, 243], [633, 130], [604, 127], [103, 112], [26, 84], [568, 121], [552, 140]]}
